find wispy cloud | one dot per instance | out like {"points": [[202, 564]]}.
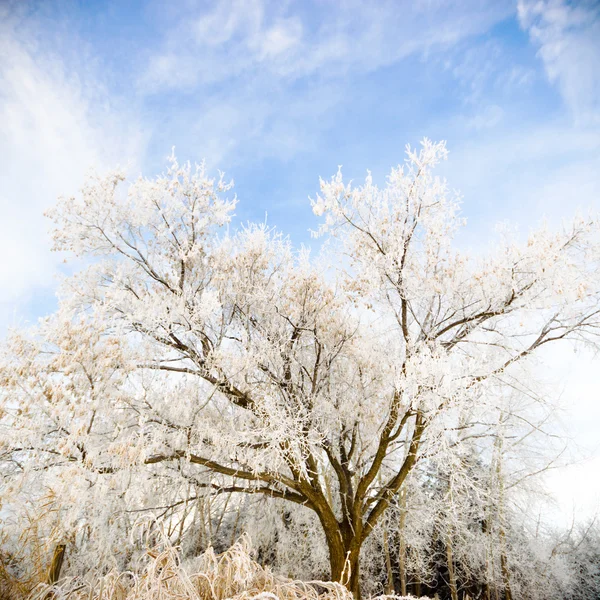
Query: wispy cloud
{"points": [[51, 132], [525, 174], [567, 35], [487, 118], [264, 69], [249, 37], [486, 66]]}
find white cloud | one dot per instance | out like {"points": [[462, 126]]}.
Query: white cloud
{"points": [[51, 132], [525, 173], [489, 117], [475, 68], [280, 38], [258, 70], [238, 35], [234, 128], [517, 76], [568, 37]]}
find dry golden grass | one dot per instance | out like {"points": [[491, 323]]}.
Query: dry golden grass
{"points": [[162, 576], [232, 574], [38, 536]]}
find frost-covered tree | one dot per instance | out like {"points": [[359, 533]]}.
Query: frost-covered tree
{"points": [[581, 550], [187, 360]]}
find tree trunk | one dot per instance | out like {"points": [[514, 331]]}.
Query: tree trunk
{"points": [[354, 566], [344, 563], [389, 585], [451, 575], [503, 561], [487, 529], [402, 543], [505, 576]]}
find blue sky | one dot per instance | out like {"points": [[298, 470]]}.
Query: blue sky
{"points": [[277, 94]]}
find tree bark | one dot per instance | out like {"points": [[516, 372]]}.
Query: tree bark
{"points": [[402, 543], [389, 585], [344, 562], [499, 445], [505, 576], [451, 574]]}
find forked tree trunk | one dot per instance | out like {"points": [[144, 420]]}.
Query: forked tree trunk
{"points": [[344, 540]]}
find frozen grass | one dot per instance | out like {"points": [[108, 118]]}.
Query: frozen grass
{"points": [[163, 576]]}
